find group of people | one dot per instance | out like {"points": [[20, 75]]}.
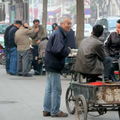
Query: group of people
{"points": [[17, 47], [93, 58]]}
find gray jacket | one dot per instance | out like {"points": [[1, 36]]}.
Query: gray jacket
{"points": [[41, 48], [37, 36], [90, 56]]}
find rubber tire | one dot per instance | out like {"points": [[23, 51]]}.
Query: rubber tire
{"points": [[84, 104], [71, 111]]}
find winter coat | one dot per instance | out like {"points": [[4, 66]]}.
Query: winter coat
{"points": [[56, 51], [112, 45], [22, 38], [90, 56], [38, 35]]}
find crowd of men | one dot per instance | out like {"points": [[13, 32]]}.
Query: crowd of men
{"points": [[93, 58], [17, 47]]}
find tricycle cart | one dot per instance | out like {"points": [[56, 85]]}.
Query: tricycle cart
{"points": [[82, 98]]}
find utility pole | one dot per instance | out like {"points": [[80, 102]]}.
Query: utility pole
{"points": [[80, 21]]}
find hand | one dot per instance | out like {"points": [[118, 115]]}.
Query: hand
{"points": [[36, 58], [37, 29], [39, 61], [38, 41], [70, 49], [26, 25]]}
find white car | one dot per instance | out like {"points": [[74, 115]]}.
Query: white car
{"points": [[87, 29]]}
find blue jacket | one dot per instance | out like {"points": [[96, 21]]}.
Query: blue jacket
{"points": [[56, 51], [6, 35], [70, 39], [11, 37]]}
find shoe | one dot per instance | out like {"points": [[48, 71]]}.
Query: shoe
{"points": [[28, 75], [107, 80], [19, 74], [61, 114], [36, 73], [46, 114], [64, 75], [12, 74]]}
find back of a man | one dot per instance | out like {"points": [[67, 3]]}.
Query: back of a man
{"points": [[23, 49], [90, 55]]}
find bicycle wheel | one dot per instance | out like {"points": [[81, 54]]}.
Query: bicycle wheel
{"points": [[70, 101], [81, 108]]}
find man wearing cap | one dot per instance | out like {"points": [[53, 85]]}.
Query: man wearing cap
{"points": [[36, 38], [54, 26], [13, 48]]}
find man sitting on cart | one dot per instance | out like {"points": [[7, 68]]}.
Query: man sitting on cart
{"points": [[91, 60]]}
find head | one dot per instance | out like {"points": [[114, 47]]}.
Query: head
{"points": [[54, 26], [65, 23], [97, 30], [36, 23], [118, 26], [18, 23]]}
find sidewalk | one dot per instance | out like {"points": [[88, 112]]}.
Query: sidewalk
{"points": [[22, 98]]}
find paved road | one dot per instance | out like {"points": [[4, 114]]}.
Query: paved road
{"points": [[22, 98]]}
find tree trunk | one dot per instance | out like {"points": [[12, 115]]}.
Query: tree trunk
{"points": [[44, 18], [80, 22]]}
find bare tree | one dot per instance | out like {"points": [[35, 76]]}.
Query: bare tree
{"points": [[44, 18], [80, 21]]}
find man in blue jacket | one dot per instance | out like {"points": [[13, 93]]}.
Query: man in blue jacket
{"points": [[54, 62], [13, 47], [7, 51]]}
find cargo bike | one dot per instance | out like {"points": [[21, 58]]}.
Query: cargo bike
{"points": [[83, 97]]}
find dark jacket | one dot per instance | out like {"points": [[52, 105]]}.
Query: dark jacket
{"points": [[70, 39], [6, 35], [90, 56], [56, 51], [112, 44], [11, 37]]}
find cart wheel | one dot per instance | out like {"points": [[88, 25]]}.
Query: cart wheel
{"points": [[70, 101], [119, 113], [81, 108]]}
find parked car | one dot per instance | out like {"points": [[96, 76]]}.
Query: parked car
{"points": [[3, 27], [87, 29], [109, 24]]}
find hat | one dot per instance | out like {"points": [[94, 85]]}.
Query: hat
{"points": [[54, 25], [18, 22]]}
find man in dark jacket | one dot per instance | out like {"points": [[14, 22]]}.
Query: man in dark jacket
{"points": [[70, 42], [7, 52], [91, 58], [13, 48], [112, 43], [54, 62]]}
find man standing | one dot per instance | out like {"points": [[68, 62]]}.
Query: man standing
{"points": [[7, 52], [36, 38], [23, 48], [54, 62], [13, 48]]}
